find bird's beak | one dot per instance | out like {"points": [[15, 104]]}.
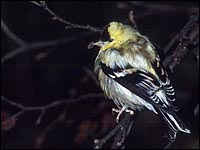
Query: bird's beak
{"points": [[99, 43]]}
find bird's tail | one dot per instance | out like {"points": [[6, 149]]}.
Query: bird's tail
{"points": [[174, 124]]}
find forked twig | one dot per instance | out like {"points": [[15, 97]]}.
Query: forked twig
{"points": [[44, 108], [68, 24]]}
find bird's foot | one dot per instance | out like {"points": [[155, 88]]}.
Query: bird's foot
{"points": [[120, 111]]}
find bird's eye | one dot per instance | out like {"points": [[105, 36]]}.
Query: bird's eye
{"points": [[105, 35]]}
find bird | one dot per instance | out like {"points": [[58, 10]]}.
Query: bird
{"points": [[131, 74]]}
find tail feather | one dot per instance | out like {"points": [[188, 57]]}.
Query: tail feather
{"points": [[174, 124]]}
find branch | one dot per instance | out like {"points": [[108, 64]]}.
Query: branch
{"points": [[182, 34], [122, 127], [187, 36], [25, 46], [44, 108], [68, 24], [120, 138], [37, 45]]}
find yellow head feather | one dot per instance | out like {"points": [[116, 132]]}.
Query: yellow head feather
{"points": [[118, 31], [119, 34]]}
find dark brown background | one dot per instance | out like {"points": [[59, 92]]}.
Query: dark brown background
{"points": [[33, 80]]}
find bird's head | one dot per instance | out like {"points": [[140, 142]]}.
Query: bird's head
{"points": [[115, 34]]}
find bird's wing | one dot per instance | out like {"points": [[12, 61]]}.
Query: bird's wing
{"points": [[146, 85], [165, 82]]}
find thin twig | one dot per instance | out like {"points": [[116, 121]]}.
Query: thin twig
{"points": [[67, 23], [132, 19], [61, 117], [25, 46], [11, 35], [168, 145], [37, 45], [50, 105], [14, 116], [40, 116], [101, 142], [160, 7]]}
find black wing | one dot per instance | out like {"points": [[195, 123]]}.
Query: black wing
{"points": [[146, 86]]}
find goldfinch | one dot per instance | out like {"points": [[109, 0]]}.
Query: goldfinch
{"points": [[130, 73]]}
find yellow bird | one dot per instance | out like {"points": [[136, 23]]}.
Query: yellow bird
{"points": [[130, 73]]}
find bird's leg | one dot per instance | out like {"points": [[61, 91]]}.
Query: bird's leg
{"points": [[120, 111]]}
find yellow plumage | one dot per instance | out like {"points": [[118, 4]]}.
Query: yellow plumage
{"points": [[130, 44]]}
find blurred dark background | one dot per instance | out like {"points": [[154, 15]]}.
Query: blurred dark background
{"points": [[42, 75]]}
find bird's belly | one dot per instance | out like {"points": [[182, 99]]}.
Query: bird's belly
{"points": [[119, 94]]}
